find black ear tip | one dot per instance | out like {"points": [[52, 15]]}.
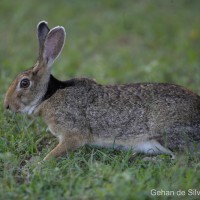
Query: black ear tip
{"points": [[43, 24]]}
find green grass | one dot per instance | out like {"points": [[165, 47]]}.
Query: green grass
{"points": [[113, 42]]}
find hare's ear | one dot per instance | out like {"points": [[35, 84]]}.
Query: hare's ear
{"points": [[53, 44], [43, 30]]}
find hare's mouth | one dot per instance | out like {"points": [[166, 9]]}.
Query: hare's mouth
{"points": [[12, 109], [29, 109]]}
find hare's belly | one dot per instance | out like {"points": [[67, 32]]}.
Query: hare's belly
{"points": [[141, 144], [120, 142]]}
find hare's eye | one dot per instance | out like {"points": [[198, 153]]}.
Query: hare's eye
{"points": [[24, 83]]}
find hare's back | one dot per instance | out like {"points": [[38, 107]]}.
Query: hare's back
{"points": [[140, 109]]}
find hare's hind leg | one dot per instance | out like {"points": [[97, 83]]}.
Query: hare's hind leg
{"points": [[152, 147]]}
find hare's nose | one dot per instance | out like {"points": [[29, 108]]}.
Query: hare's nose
{"points": [[6, 105]]}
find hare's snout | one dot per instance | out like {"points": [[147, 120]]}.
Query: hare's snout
{"points": [[10, 101], [6, 105], [10, 106], [6, 102]]}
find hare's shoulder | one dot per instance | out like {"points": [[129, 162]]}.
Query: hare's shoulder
{"points": [[54, 85]]}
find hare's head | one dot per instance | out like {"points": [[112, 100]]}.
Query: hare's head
{"points": [[28, 89]]}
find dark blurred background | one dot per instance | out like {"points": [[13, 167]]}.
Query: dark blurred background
{"points": [[112, 41]]}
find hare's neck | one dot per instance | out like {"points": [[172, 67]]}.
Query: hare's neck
{"points": [[54, 85]]}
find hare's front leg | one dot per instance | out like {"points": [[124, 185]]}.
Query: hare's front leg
{"points": [[67, 143], [59, 150]]}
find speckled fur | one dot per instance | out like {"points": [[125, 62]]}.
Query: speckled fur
{"points": [[141, 116]]}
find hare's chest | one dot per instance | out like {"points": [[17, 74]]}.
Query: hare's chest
{"points": [[55, 123], [54, 127], [52, 130], [64, 117]]}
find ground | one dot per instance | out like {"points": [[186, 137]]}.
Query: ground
{"points": [[113, 42]]}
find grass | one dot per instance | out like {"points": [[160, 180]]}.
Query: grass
{"points": [[114, 42]]}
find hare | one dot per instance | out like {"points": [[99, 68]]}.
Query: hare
{"points": [[150, 118]]}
